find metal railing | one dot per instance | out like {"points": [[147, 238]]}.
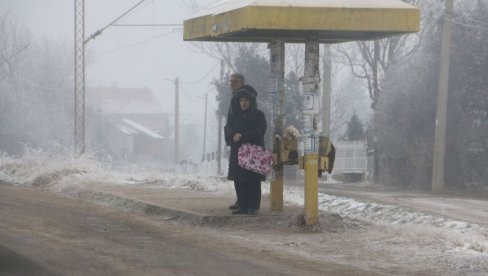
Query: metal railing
{"points": [[351, 157]]}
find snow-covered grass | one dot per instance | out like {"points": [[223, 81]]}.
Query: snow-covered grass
{"points": [[36, 167], [61, 170]]}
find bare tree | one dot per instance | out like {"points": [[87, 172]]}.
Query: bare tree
{"points": [[406, 110], [14, 40], [35, 98], [369, 60]]}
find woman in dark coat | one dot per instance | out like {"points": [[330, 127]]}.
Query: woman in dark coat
{"points": [[246, 124]]}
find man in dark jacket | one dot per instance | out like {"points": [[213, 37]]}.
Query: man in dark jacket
{"points": [[247, 124], [237, 82]]}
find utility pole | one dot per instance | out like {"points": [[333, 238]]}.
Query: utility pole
{"points": [[205, 127], [442, 94], [177, 121], [220, 118], [79, 104]]}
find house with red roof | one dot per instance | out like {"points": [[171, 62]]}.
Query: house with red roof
{"points": [[133, 124]]}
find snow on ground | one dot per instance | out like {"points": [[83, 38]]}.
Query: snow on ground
{"points": [[463, 235], [58, 173]]}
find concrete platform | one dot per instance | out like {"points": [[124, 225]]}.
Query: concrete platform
{"points": [[211, 208], [176, 204]]}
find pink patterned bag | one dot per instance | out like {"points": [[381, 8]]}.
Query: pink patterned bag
{"points": [[255, 158]]}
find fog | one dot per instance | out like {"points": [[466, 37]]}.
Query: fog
{"points": [[130, 73], [138, 57], [378, 210], [131, 57]]}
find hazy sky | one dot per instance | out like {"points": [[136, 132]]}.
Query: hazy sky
{"points": [[137, 56], [131, 56]]}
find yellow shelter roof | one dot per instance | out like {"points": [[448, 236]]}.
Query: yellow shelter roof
{"points": [[328, 21]]}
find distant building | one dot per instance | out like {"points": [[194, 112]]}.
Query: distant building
{"points": [[133, 124]]}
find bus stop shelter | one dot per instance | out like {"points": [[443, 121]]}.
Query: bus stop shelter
{"points": [[312, 22], [327, 21]]}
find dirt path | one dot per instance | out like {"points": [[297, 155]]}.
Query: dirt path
{"points": [[44, 234]]}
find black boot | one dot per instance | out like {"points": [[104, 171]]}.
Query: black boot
{"points": [[240, 212], [253, 212], [234, 206]]}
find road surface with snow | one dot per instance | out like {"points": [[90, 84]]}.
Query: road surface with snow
{"points": [[45, 226]]}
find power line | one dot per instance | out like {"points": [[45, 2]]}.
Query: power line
{"points": [[473, 19], [133, 44], [147, 25], [470, 26], [204, 77], [188, 96], [187, 4], [199, 80], [99, 32], [40, 86]]}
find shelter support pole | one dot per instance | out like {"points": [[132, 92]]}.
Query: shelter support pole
{"points": [[311, 188], [276, 89], [311, 81], [326, 89]]}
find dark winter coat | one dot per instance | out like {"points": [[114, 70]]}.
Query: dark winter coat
{"points": [[251, 124], [235, 102]]}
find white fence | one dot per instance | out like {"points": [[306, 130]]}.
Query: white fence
{"points": [[351, 157]]}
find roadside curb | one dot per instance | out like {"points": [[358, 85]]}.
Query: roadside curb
{"points": [[170, 214]]}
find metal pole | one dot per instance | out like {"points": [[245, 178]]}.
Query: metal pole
{"points": [[311, 80], [80, 41], [277, 91], [220, 118], [177, 121], [442, 94], [99, 32], [79, 104]]}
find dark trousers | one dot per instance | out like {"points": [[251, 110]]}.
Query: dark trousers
{"points": [[248, 194]]}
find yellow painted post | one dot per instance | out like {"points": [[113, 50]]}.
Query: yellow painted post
{"points": [[311, 189], [276, 191], [310, 81]]}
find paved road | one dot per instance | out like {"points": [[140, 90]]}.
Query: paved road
{"points": [[43, 234], [14, 264]]}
